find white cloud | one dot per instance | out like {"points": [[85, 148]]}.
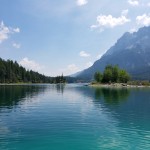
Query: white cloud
{"points": [[89, 64], [82, 2], [110, 21], [133, 30], [84, 54], [133, 2], [6, 31], [17, 30], [93, 26], [70, 69], [30, 64], [16, 45], [99, 56], [143, 20], [125, 12], [148, 4]]}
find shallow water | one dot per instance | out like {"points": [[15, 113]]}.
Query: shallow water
{"points": [[73, 117]]}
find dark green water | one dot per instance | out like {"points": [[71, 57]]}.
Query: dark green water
{"points": [[73, 117]]}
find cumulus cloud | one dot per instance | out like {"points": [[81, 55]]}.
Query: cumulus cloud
{"points": [[94, 26], [143, 20], [70, 69], [16, 45], [89, 64], [6, 31], [125, 12], [82, 2], [133, 30], [109, 21], [133, 2], [84, 54], [99, 56], [30, 64], [17, 30]]}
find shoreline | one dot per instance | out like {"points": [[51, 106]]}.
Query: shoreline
{"points": [[31, 83], [23, 83], [98, 85], [117, 85]]}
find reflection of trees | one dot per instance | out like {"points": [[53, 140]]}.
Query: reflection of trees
{"points": [[112, 95], [60, 88], [11, 95]]}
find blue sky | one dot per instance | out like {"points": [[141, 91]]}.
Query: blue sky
{"points": [[65, 36]]}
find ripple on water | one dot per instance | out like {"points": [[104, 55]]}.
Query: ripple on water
{"points": [[75, 117]]}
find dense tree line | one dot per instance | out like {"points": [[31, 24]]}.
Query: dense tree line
{"points": [[12, 72], [112, 74]]}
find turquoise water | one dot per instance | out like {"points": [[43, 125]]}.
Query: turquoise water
{"points": [[73, 117]]}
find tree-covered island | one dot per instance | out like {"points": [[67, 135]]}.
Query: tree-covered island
{"points": [[112, 74]]}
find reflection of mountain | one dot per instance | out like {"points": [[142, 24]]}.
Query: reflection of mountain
{"points": [[12, 94]]}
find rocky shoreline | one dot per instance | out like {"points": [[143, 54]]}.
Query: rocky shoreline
{"points": [[117, 85]]}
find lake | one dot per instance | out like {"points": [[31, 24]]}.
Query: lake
{"points": [[74, 117]]}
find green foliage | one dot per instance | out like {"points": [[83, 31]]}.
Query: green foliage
{"points": [[112, 74], [115, 73], [12, 72], [59, 79], [123, 76], [108, 74], [98, 77]]}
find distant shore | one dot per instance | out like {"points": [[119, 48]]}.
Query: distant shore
{"points": [[30, 83], [107, 85], [117, 85], [22, 83]]}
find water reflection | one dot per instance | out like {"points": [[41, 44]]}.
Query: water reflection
{"points": [[11, 95], [60, 88], [82, 118], [112, 95], [131, 107]]}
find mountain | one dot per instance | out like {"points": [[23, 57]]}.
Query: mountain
{"points": [[131, 52]]}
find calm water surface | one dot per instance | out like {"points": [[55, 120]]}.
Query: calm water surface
{"points": [[73, 117]]}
